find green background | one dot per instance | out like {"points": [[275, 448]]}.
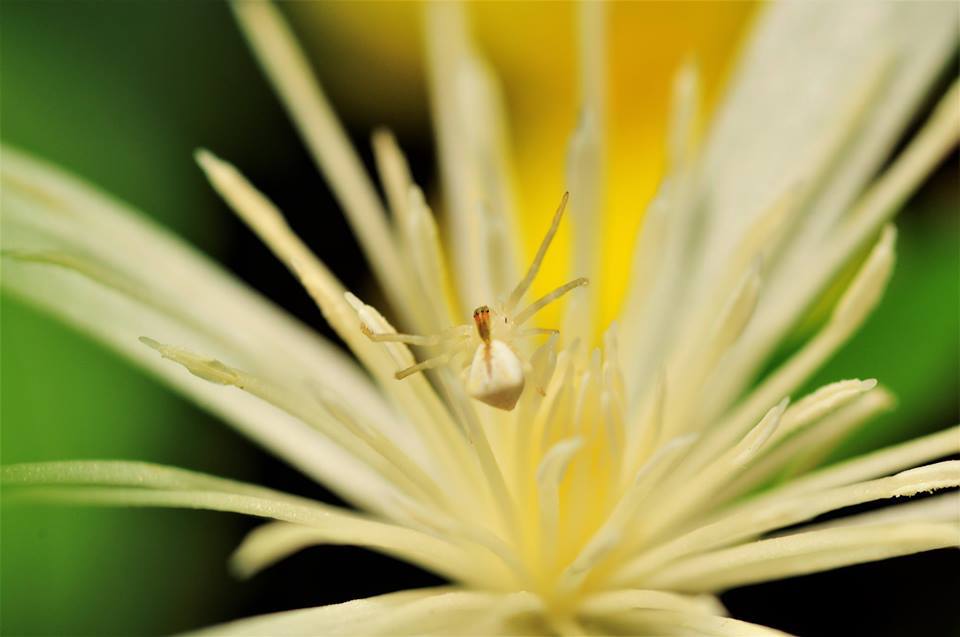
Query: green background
{"points": [[121, 94]]}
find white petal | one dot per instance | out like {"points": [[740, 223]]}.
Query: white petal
{"points": [[443, 611], [683, 624], [550, 474], [47, 209], [335, 619], [269, 543], [414, 397], [287, 67], [449, 451], [803, 553], [752, 519], [471, 142], [156, 284], [806, 450], [819, 255], [761, 139], [859, 298], [619, 601], [363, 442], [939, 508], [274, 541], [142, 484], [684, 495], [769, 139], [426, 252], [586, 171], [877, 463]]}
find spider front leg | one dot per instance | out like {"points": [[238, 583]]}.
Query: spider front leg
{"points": [[547, 299], [537, 331], [423, 366], [452, 339], [453, 334]]}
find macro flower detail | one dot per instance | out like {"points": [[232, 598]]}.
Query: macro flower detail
{"points": [[604, 479]]}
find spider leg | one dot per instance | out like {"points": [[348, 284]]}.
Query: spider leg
{"points": [[429, 363], [527, 279], [537, 331], [415, 339], [547, 299]]}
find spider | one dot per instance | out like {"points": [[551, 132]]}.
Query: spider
{"points": [[493, 370]]}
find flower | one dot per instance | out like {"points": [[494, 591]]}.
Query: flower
{"points": [[620, 486]]}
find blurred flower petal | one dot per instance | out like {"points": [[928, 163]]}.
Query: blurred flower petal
{"points": [[442, 611]]}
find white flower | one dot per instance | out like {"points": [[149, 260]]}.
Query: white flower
{"points": [[617, 488]]}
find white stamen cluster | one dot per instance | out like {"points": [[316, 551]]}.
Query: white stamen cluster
{"points": [[611, 489]]}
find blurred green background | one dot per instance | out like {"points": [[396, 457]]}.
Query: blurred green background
{"points": [[121, 94]]}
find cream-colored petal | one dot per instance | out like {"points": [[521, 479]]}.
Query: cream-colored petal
{"points": [[856, 110], [458, 612], [141, 484], [269, 543], [682, 624], [445, 440], [648, 270], [48, 210], [274, 541], [415, 397], [471, 143], [361, 441], [792, 95], [651, 324], [288, 69], [343, 619], [818, 256], [752, 519], [123, 473], [938, 136], [99, 266], [877, 463], [425, 250], [807, 449], [613, 538], [441, 611], [682, 498], [803, 553], [938, 508], [550, 474], [619, 601], [858, 300], [821, 403], [696, 359], [586, 173]]}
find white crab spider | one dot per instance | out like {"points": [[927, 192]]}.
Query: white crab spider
{"points": [[495, 372]]}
